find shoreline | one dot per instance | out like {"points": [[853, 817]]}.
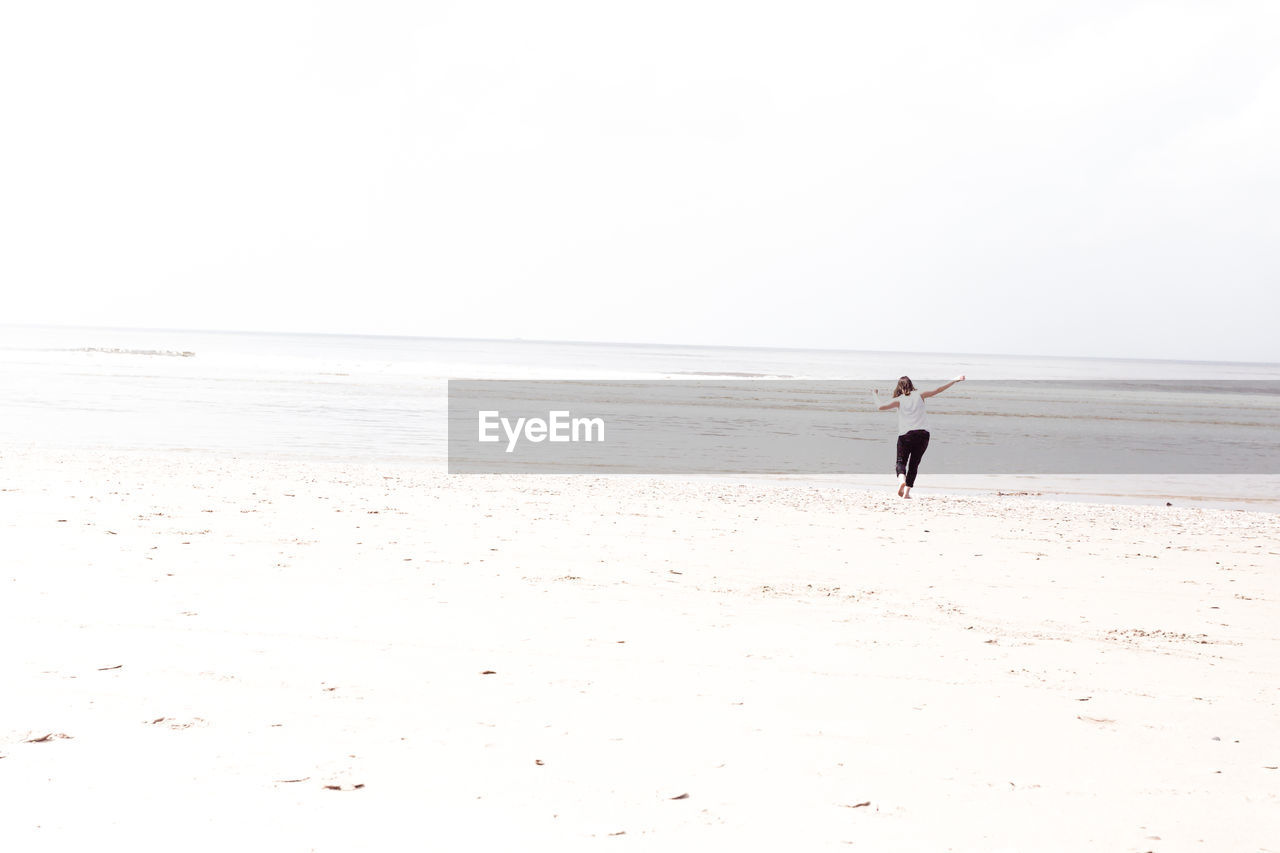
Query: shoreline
{"points": [[1042, 488]]}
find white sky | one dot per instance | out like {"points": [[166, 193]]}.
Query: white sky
{"points": [[1082, 178]]}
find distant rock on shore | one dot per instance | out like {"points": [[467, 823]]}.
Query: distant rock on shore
{"points": [[119, 351]]}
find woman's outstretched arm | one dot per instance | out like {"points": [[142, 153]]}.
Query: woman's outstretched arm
{"points": [[875, 397], [942, 388]]}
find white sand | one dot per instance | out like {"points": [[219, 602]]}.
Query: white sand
{"points": [[987, 674]]}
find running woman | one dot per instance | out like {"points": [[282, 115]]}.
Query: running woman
{"points": [[913, 428]]}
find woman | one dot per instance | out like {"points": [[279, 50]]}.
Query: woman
{"points": [[913, 428]]}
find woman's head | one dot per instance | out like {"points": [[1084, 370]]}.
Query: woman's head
{"points": [[904, 387]]}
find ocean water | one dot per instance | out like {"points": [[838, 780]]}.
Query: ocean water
{"points": [[383, 399]]}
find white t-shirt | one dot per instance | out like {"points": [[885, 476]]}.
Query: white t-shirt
{"points": [[911, 412]]}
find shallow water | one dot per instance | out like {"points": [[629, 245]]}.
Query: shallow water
{"points": [[383, 398]]}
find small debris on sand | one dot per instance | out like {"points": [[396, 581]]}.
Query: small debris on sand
{"points": [[51, 736]]}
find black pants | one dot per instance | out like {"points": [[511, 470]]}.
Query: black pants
{"points": [[911, 446]]}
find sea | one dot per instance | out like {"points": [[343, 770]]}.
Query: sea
{"points": [[382, 399]]}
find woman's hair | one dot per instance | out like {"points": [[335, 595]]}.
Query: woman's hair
{"points": [[904, 387]]}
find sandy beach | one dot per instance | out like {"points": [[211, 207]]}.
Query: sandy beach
{"points": [[478, 427], [207, 652]]}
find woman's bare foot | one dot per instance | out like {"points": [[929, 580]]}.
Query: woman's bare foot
{"points": [[906, 491], [902, 485]]}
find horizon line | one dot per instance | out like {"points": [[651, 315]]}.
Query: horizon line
{"points": [[647, 344]]}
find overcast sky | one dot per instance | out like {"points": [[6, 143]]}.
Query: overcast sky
{"points": [[1059, 178]]}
